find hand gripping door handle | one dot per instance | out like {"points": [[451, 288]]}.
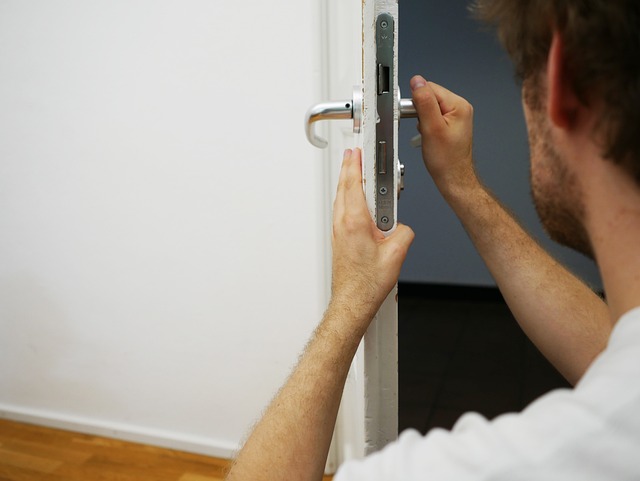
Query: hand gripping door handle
{"points": [[346, 109]]}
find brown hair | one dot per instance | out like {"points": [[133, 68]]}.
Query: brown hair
{"points": [[602, 48]]}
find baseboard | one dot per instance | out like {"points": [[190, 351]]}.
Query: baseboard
{"points": [[124, 432]]}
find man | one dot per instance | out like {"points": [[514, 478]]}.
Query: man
{"points": [[580, 66]]}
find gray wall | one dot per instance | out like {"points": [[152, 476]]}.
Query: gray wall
{"points": [[441, 41]]}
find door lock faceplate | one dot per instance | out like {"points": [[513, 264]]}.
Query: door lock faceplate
{"points": [[385, 145]]}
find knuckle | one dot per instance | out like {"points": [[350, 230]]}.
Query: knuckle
{"points": [[352, 223], [467, 108], [432, 130], [345, 185], [349, 179], [422, 98], [396, 251]]}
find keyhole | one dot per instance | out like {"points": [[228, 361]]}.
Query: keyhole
{"points": [[348, 106]]}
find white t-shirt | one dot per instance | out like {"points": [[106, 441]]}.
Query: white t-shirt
{"points": [[586, 433]]}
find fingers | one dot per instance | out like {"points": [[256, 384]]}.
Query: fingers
{"points": [[433, 102], [343, 171], [350, 193], [425, 101], [339, 203], [354, 193], [351, 172], [365, 263], [351, 203], [447, 100]]}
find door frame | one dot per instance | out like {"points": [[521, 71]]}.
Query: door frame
{"points": [[368, 416]]}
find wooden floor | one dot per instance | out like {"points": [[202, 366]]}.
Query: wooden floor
{"points": [[35, 453], [32, 453]]}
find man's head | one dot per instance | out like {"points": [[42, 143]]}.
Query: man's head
{"points": [[602, 52], [601, 68]]}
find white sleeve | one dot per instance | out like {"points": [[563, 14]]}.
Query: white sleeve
{"points": [[556, 437], [469, 452], [589, 433]]}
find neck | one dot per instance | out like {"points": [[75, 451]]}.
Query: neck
{"points": [[613, 223]]}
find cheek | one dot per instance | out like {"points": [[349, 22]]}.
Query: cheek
{"points": [[537, 181], [544, 172], [540, 170]]}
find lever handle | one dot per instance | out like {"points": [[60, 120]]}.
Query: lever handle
{"points": [[326, 111], [347, 109], [407, 109]]}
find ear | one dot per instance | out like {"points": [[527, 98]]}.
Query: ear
{"points": [[563, 103]]}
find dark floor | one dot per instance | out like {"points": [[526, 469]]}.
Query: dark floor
{"points": [[461, 350]]}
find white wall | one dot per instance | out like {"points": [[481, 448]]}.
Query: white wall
{"points": [[162, 247]]}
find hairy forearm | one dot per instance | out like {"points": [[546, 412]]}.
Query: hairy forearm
{"points": [[562, 316], [559, 313], [292, 440]]}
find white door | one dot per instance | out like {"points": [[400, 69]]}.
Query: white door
{"points": [[133, 133], [162, 214], [361, 41]]}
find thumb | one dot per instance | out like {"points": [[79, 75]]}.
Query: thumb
{"points": [[398, 243], [425, 101]]}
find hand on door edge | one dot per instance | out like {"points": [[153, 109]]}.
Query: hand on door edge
{"points": [[291, 441], [366, 264]]}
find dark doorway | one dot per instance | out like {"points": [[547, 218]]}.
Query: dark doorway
{"points": [[461, 350]]}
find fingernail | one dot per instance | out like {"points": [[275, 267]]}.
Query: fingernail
{"points": [[417, 82], [347, 153]]}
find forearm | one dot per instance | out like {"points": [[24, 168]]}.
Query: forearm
{"points": [[292, 440], [559, 313], [562, 316]]}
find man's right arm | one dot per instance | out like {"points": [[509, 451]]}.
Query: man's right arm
{"points": [[562, 316]]}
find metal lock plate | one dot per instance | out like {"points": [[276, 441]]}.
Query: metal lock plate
{"points": [[385, 155]]}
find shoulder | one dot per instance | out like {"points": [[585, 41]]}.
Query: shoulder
{"points": [[587, 433], [560, 436]]}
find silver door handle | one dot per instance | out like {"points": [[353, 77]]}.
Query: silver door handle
{"points": [[326, 111], [407, 109], [346, 109]]}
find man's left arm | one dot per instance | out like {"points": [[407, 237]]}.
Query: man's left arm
{"points": [[291, 441]]}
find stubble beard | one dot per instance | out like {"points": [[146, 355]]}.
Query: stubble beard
{"points": [[557, 196]]}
